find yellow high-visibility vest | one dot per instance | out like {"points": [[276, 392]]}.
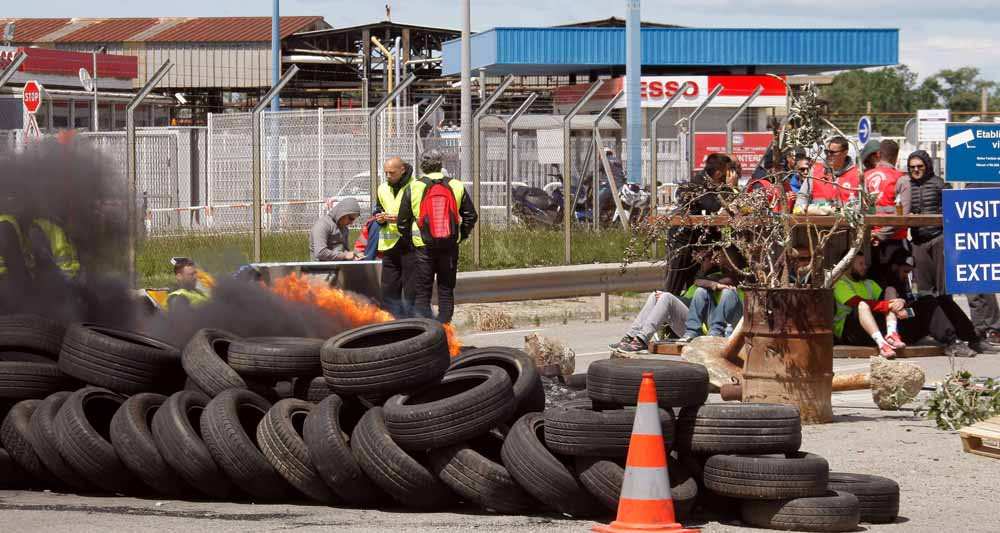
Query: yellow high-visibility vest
{"points": [[417, 188], [17, 229], [388, 236], [63, 250], [194, 297]]}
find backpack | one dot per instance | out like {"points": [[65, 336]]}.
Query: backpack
{"points": [[438, 219]]}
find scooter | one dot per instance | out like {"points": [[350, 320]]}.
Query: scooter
{"points": [[533, 205]]}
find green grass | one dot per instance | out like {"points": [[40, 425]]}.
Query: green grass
{"points": [[501, 249]]}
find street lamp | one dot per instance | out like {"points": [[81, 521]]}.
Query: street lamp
{"points": [[93, 121]]}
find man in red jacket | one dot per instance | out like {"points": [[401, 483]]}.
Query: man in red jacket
{"points": [[889, 186]]}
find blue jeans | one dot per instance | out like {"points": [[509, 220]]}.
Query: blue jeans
{"points": [[721, 317]]}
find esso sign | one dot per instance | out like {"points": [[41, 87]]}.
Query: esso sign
{"points": [[666, 89], [32, 96]]}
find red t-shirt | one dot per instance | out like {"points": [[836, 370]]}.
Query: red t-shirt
{"points": [[881, 182], [845, 188]]}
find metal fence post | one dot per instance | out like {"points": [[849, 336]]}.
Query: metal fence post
{"points": [[373, 136], [654, 148], [599, 155], [567, 171], [739, 111], [321, 177], [477, 166], [693, 128], [421, 121], [509, 139], [131, 161]]}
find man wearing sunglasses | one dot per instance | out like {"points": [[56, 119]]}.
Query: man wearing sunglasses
{"points": [[835, 182], [928, 241]]}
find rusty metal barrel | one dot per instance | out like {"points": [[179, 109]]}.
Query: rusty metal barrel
{"points": [[790, 359]]}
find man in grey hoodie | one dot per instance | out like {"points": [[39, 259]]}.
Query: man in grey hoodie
{"points": [[328, 240]]}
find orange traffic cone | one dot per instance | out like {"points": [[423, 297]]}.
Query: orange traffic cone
{"points": [[645, 503]]}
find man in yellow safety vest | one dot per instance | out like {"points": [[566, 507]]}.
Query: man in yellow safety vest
{"points": [[187, 295], [398, 255], [43, 247]]}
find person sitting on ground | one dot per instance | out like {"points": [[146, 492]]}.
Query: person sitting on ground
{"points": [[861, 314], [328, 240], [661, 308], [715, 304], [895, 277]]}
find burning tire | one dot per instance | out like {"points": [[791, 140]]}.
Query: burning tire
{"points": [[576, 429], [392, 469], [764, 477], [678, 384], [43, 439], [31, 334], [280, 438], [739, 429], [465, 404], [132, 437], [177, 433], [326, 436], [603, 477], [834, 511], [27, 381], [276, 357], [384, 359], [206, 361], [529, 396], [16, 438], [121, 361]]}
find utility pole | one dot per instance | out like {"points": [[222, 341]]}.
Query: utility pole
{"points": [[275, 53], [984, 104], [466, 90], [633, 81]]}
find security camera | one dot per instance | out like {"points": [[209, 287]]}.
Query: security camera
{"points": [[180, 98]]}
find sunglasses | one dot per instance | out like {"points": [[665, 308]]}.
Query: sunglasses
{"points": [[802, 169], [831, 152], [916, 167]]}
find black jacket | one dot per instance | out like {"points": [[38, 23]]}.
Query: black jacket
{"points": [[406, 217], [925, 198]]}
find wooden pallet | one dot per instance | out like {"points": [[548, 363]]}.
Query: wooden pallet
{"points": [[666, 348], [864, 352], [982, 438]]}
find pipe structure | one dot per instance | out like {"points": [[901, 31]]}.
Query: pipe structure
{"points": [[633, 80], [654, 147], [417, 145], [567, 170], [466, 88], [509, 136], [258, 201], [599, 156], [736, 114], [276, 51], [373, 135], [398, 65], [389, 60], [692, 120], [476, 163], [131, 163]]}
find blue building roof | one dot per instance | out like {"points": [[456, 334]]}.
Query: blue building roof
{"points": [[567, 50]]}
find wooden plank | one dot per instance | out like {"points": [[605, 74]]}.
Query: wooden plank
{"points": [[912, 221], [666, 348], [982, 438], [920, 351], [864, 352]]}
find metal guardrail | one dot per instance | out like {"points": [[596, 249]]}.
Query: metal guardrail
{"points": [[556, 282]]}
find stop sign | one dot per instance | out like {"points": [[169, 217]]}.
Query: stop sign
{"points": [[32, 96]]}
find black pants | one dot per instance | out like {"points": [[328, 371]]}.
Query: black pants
{"points": [[398, 291], [985, 313], [441, 264], [929, 260], [921, 325]]}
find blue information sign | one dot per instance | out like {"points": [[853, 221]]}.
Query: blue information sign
{"points": [[864, 129], [973, 152], [972, 240]]}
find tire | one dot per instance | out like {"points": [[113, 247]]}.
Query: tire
{"points": [[466, 404], [21, 356], [229, 427], [276, 357], [32, 381], [83, 438], [31, 333], [878, 497], [177, 433], [42, 433], [280, 438], [16, 437], [529, 396], [735, 428], [326, 434], [603, 478], [311, 390], [834, 511], [205, 361], [678, 384], [767, 477], [120, 361], [392, 469], [132, 437], [541, 473], [12, 476], [577, 430], [380, 360], [475, 472]]}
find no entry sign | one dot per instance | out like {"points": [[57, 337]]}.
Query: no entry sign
{"points": [[32, 96]]}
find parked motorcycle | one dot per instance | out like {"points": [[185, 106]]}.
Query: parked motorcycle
{"points": [[544, 206]]}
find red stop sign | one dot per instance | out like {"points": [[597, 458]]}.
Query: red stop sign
{"points": [[32, 96]]}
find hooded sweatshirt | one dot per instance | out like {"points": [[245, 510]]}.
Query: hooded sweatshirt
{"points": [[925, 197], [328, 241]]}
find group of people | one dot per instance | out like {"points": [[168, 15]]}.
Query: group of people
{"points": [[892, 296], [416, 228]]}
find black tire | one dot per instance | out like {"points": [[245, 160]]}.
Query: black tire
{"points": [[475, 472], [466, 404], [399, 474], [542, 474], [878, 497], [603, 478], [326, 434], [120, 361], [311, 390], [83, 438], [229, 428], [205, 361], [280, 438], [834, 511], [21, 356], [380, 360], [529, 395], [31, 381], [678, 384], [132, 437], [739, 428], [276, 357], [16, 437], [12, 476], [31, 333], [574, 429], [177, 433], [767, 477], [43, 440]]}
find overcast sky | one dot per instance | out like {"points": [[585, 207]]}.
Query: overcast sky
{"points": [[934, 34]]}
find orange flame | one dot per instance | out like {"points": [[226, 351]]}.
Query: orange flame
{"points": [[336, 302]]}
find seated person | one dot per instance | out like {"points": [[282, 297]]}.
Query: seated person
{"points": [[860, 314], [895, 277], [715, 307], [660, 308]]}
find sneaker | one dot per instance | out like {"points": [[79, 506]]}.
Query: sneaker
{"points": [[633, 346], [895, 341], [993, 337], [886, 351], [959, 349], [685, 339], [615, 345], [981, 346]]}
